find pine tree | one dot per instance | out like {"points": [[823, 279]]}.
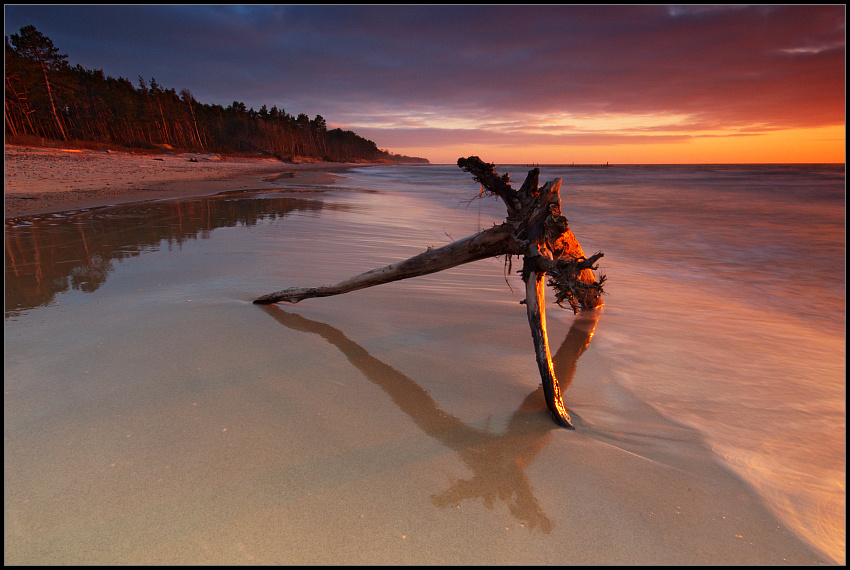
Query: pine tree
{"points": [[34, 45]]}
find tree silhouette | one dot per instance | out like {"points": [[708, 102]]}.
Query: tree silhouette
{"points": [[48, 98], [33, 45]]}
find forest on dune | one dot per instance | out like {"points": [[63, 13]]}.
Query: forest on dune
{"points": [[48, 98]]}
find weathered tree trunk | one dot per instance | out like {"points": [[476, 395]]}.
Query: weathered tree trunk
{"points": [[535, 229], [489, 243], [535, 303], [56, 120]]}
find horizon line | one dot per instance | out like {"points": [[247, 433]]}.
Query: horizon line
{"points": [[606, 165]]}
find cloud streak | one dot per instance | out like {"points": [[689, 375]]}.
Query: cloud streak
{"points": [[482, 72]]}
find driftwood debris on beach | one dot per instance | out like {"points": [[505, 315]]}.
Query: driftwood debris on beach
{"points": [[535, 229]]}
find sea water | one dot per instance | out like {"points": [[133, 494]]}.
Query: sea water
{"points": [[724, 305], [725, 310]]}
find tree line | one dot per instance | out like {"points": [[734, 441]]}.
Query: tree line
{"points": [[46, 97]]}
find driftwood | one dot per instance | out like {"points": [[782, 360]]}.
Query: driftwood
{"points": [[535, 229]]}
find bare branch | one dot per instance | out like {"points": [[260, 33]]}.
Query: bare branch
{"points": [[535, 229]]}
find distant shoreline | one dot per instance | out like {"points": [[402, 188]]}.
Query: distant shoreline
{"points": [[41, 180]]}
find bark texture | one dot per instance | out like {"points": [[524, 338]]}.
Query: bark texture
{"points": [[534, 229]]}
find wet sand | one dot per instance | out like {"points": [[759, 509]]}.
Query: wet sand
{"points": [[40, 180], [166, 420]]}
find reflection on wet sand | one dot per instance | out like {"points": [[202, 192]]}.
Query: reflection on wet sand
{"points": [[498, 461], [52, 253]]}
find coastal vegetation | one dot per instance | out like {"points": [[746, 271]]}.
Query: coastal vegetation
{"points": [[48, 98]]}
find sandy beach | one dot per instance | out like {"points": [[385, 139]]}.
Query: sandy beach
{"points": [[40, 180], [163, 421]]}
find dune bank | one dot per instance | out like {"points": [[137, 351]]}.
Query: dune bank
{"points": [[41, 180]]}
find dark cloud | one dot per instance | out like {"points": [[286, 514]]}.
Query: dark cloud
{"points": [[729, 66]]}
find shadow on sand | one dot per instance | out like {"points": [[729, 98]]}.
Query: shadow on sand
{"points": [[498, 461]]}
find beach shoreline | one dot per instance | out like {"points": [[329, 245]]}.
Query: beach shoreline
{"points": [[45, 180], [163, 418]]}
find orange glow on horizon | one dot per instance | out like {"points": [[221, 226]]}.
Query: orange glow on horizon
{"points": [[808, 145]]}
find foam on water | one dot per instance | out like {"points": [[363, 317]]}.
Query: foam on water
{"points": [[724, 310]]}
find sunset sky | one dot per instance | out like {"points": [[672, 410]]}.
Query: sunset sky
{"points": [[511, 84]]}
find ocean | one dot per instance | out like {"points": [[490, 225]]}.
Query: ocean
{"points": [[724, 305], [725, 309]]}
